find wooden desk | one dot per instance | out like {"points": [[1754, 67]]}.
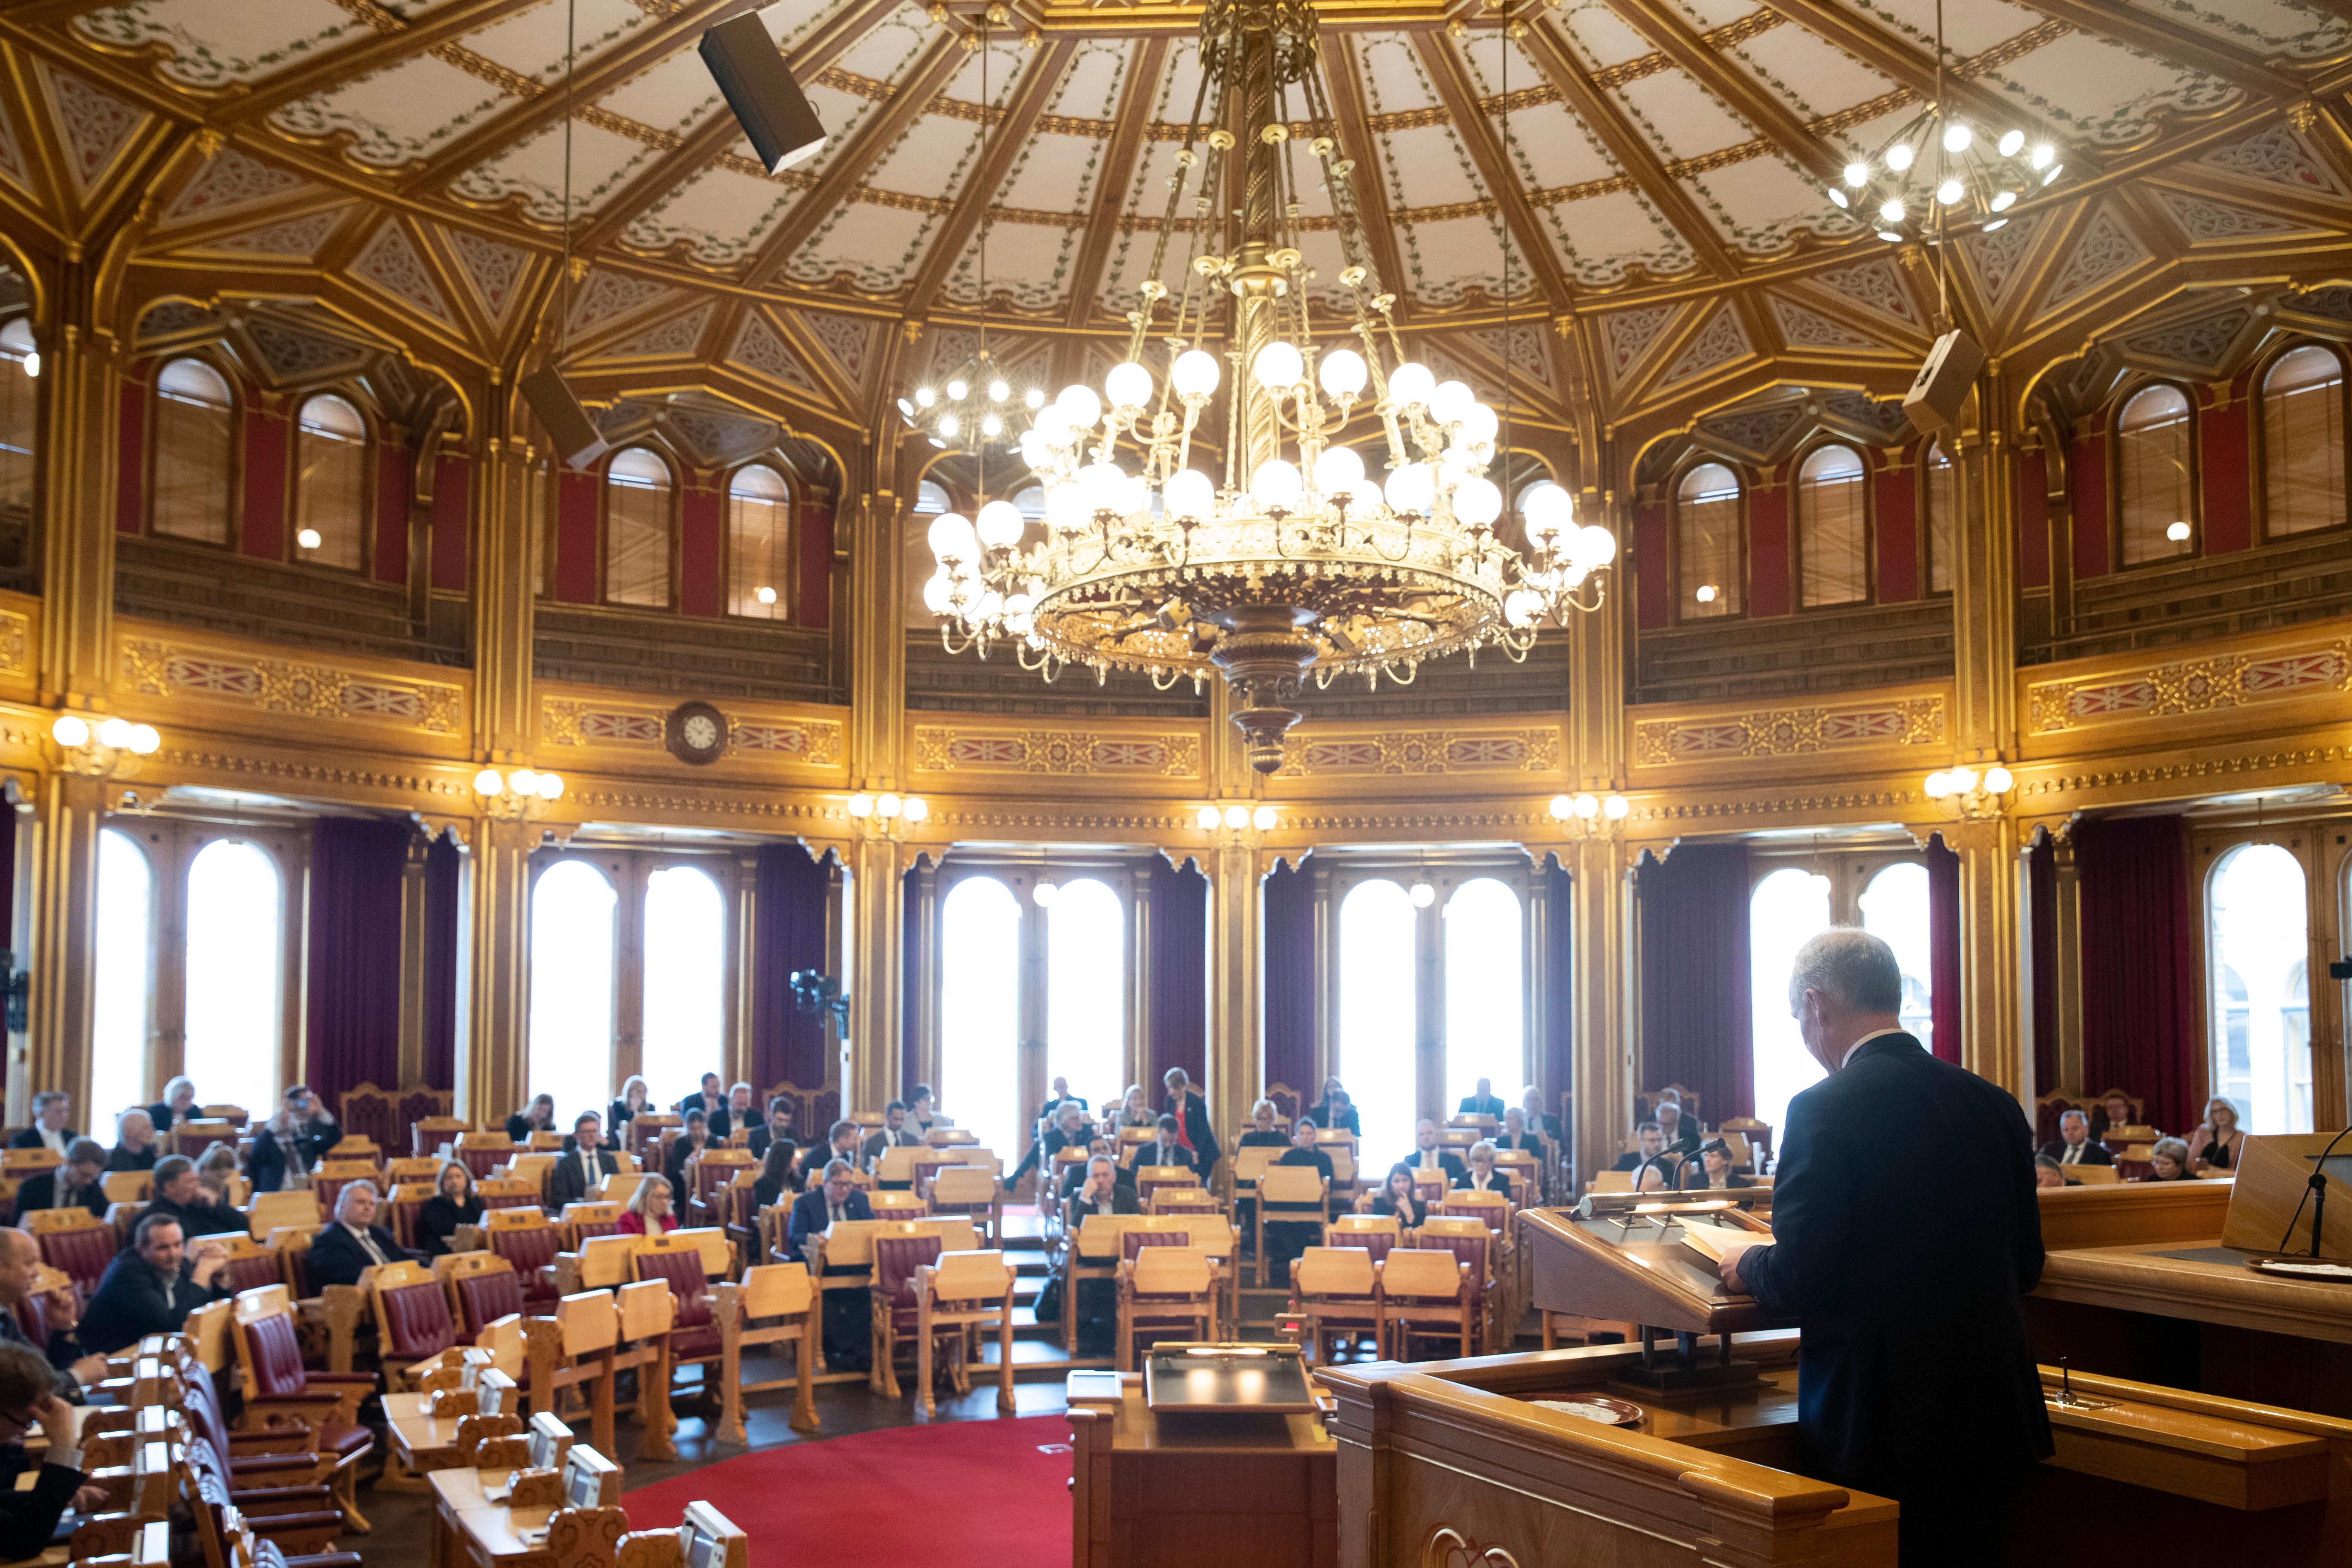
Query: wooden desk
{"points": [[1175, 1491], [495, 1536], [456, 1493]]}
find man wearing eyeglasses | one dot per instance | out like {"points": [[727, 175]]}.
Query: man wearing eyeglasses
{"points": [[29, 1401]]}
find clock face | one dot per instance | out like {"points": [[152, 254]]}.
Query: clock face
{"points": [[701, 732], [695, 733]]}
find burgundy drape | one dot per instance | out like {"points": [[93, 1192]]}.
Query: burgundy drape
{"points": [[1556, 1058], [445, 871], [1179, 960], [790, 894], [1696, 1011], [2042, 901], [2139, 965], [356, 866], [1287, 948], [1943, 951]]}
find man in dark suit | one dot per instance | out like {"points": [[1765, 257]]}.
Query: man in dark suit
{"points": [[580, 1171], [50, 1109], [1099, 1149], [2074, 1145], [1191, 1113], [737, 1112], [1165, 1150], [893, 1134], [777, 1128], [76, 1184], [1933, 1323], [30, 1515], [1048, 1118], [1485, 1101], [2115, 1111], [706, 1099], [1678, 1132], [1652, 1156], [181, 1195], [1102, 1192], [1428, 1156], [847, 1342], [20, 1264], [151, 1287], [135, 1148], [354, 1244], [1539, 1122]]}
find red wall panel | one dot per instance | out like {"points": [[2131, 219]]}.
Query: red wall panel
{"points": [[575, 535], [1896, 498], [130, 453], [451, 476], [2224, 440], [391, 512], [264, 533], [701, 554], [2088, 468], [816, 565], [2032, 519], [1653, 553], [1768, 546]]}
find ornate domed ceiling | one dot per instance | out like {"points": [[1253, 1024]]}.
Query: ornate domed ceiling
{"points": [[1660, 179]]}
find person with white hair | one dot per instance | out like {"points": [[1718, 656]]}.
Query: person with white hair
{"points": [[354, 1244], [1910, 1293]]}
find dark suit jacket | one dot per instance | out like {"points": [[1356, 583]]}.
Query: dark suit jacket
{"points": [[1148, 1154], [30, 1138], [1194, 1114], [1503, 1185], [1937, 1319], [133, 1301], [1077, 1177], [41, 1193], [338, 1258], [810, 1215], [265, 1163], [1122, 1201], [437, 1222], [521, 1127], [761, 1139], [871, 1149], [1447, 1160], [27, 1519], [62, 1350], [2094, 1153], [121, 1159], [1322, 1116], [722, 1121], [619, 1115], [565, 1185], [679, 1153], [1473, 1106], [316, 1136], [162, 1116], [1526, 1142], [197, 1219]]}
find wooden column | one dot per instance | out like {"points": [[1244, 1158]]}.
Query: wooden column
{"points": [[1602, 982], [491, 1049], [1237, 1054], [629, 969], [877, 866], [413, 943], [64, 997], [2067, 953], [743, 901]]}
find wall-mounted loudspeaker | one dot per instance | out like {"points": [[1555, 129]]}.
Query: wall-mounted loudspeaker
{"points": [[577, 440], [1943, 383], [769, 104]]}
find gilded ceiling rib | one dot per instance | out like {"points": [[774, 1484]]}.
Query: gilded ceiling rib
{"points": [[2140, 27], [1914, 68], [1682, 43], [1117, 174], [349, 62], [1345, 86], [1453, 85], [1036, 90]]}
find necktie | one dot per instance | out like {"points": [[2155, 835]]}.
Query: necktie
{"points": [[367, 1242], [2074, 1154], [835, 1212]]}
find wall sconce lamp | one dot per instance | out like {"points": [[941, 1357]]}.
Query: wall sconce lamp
{"points": [[110, 749], [887, 816], [1236, 821], [1588, 814], [511, 797], [1968, 794]]}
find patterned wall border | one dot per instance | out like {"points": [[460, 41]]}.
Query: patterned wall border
{"points": [[631, 727], [2190, 685], [1068, 753], [1790, 731], [15, 643], [155, 668], [1313, 754]]}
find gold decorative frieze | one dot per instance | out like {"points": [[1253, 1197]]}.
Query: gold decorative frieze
{"points": [[1789, 731], [15, 643], [952, 749], [1529, 750], [607, 724], [2191, 686], [155, 668]]}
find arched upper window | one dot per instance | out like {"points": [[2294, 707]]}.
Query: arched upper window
{"points": [[1085, 985], [235, 974], [638, 495], [1378, 1021], [2156, 508], [979, 1010], [1030, 502], [1941, 496], [930, 499], [2303, 442], [1788, 907], [1894, 909], [1832, 529], [188, 492], [685, 983], [2256, 939], [1486, 996], [123, 955], [20, 364], [330, 483], [759, 543], [570, 1052], [1709, 576]]}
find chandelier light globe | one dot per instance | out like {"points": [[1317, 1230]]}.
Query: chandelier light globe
{"points": [[2002, 201], [1410, 383], [991, 425], [1129, 385], [1237, 817], [860, 807], [525, 781], [1279, 366], [1338, 470], [2177, 533], [69, 730], [1207, 819], [1899, 156], [764, 594], [1066, 509], [1262, 819], [1549, 512], [2009, 142], [1451, 402], [1365, 499], [1477, 502], [1195, 374], [1950, 192], [1857, 176], [925, 397], [115, 734], [551, 786], [1588, 805], [1560, 808], [1000, 525], [1599, 546], [950, 427], [1999, 780], [957, 389], [998, 391], [1891, 210], [888, 805], [2044, 154], [488, 784], [1523, 607], [1034, 398], [952, 537], [144, 740], [1102, 486], [1277, 483], [1956, 137], [939, 590], [1079, 405], [1411, 489], [1479, 426], [1962, 780], [1190, 493], [1343, 374], [917, 809]]}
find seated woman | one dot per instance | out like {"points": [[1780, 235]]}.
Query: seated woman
{"points": [[696, 1139], [1395, 1199], [2048, 1173], [779, 1179], [1134, 1111], [2168, 1161], [214, 1168], [1263, 1134], [1714, 1169], [648, 1213], [634, 1097], [2218, 1144], [1480, 1175], [453, 1204], [539, 1116]]}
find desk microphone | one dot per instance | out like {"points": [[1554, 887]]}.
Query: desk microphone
{"points": [[2316, 1193]]}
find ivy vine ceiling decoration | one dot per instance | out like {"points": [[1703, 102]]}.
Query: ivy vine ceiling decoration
{"points": [[1662, 182]]}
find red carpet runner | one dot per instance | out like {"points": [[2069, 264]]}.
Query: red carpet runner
{"points": [[962, 1494]]}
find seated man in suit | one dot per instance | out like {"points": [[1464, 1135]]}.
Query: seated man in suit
{"points": [[1099, 1149], [2074, 1145], [316, 1128], [706, 1099], [1515, 1135], [841, 1143], [1713, 1170], [76, 1184], [180, 1193], [1654, 1165], [894, 1133], [1679, 1132], [354, 1243], [1285, 1240], [1428, 1156], [30, 1515], [1539, 1122], [1165, 1150], [20, 1265], [579, 1175], [1335, 1114], [2049, 1173], [2113, 1112], [151, 1287], [1101, 1193], [1048, 1118], [1482, 1101], [776, 1129], [178, 1104], [847, 1345], [134, 1143], [50, 1109], [737, 1112]]}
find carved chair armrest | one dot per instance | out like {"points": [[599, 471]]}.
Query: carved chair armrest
{"points": [[107, 1534], [282, 1502], [263, 1443], [312, 1410], [313, 1529]]}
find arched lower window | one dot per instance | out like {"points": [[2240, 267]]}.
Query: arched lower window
{"points": [[1485, 994], [2303, 442], [19, 370], [235, 974], [1832, 529], [2155, 509], [1378, 1017], [1894, 909], [979, 1010], [1941, 496], [930, 498], [2256, 940], [188, 493], [1788, 908], [1708, 574], [759, 543], [685, 983], [330, 483], [1085, 986], [572, 971], [638, 492], [122, 1016]]}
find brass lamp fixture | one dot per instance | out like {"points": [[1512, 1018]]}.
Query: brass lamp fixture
{"points": [[517, 795], [1590, 815], [886, 815], [110, 748], [1968, 794]]}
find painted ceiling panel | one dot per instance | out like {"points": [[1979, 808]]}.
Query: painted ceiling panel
{"points": [[1680, 118], [931, 159], [723, 212], [2262, 25], [2100, 91], [1601, 36], [1811, 75], [1429, 166], [1551, 148], [1598, 238], [1444, 260], [874, 248], [531, 42], [889, 49], [400, 113], [214, 42], [1762, 205], [1027, 263], [1395, 81], [671, 95], [601, 163], [1971, 26]]}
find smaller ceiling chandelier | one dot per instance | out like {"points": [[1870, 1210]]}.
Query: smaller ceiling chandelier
{"points": [[973, 407]]}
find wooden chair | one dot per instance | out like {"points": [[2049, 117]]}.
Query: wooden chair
{"points": [[508, 1193], [971, 1190], [889, 1203], [331, 1176], [280, 1393], [1426, 1292], [76, 1242], [1336, 1290], [1430, 1186], [415, 1321], [484, 1285], [772, 1304], [707, 1175], [1165, 1290], [274, 1211], [1149, 1179], [482, 1151], [1289, 1194], [951, 1138], [645, 1315], [251, 1265], [192, 1135], [676, 1260], [528, 1240], [2092, 1176], [1286, 1101], [1473, 1245], [427, 1134], [1645, 1104], [1185, 1200], [574, 1349], [1486, 1126], [583, 1221], [959, 1298], [1757, 1133], [1371, 1233], [1525, 1170], [129, 1186]]}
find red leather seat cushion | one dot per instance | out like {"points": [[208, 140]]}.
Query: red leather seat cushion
{"points": [[693, 1344], [683, 1270], [277, 1356], [1134, 1241], [251, 1273], [417, 1321], [343, 1441], [485, 1298]]}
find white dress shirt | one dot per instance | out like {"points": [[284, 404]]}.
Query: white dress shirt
{"points": [[367, 1242]]}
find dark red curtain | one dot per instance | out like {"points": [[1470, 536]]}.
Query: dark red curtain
{"points": [[1556, 1057], [356, 866], [2139, 965], [444, 881], [1179, 960], [790, 894], [1696, 1012], [2041, 909], [1287, 946], [1943, 951]]}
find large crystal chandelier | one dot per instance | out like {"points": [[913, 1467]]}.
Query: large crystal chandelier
{"points": [[1293, 563]]}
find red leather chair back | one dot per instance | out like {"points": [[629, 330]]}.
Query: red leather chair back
{"points": [[588, 1230], [684, 1272], [83, 1254], [403, 1221], [1469, 1249], [482, 1161], [417, 1321], [1376, 1242], [534, 1246], [277, 1354], [485, 1298], [895, 1258], [509, 1201], [204, 1408], [34, 1318], [251, 1272], [1134, 1241], [298, 1273]]}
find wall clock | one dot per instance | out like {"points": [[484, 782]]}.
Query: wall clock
{"points": [[694, 732]]}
